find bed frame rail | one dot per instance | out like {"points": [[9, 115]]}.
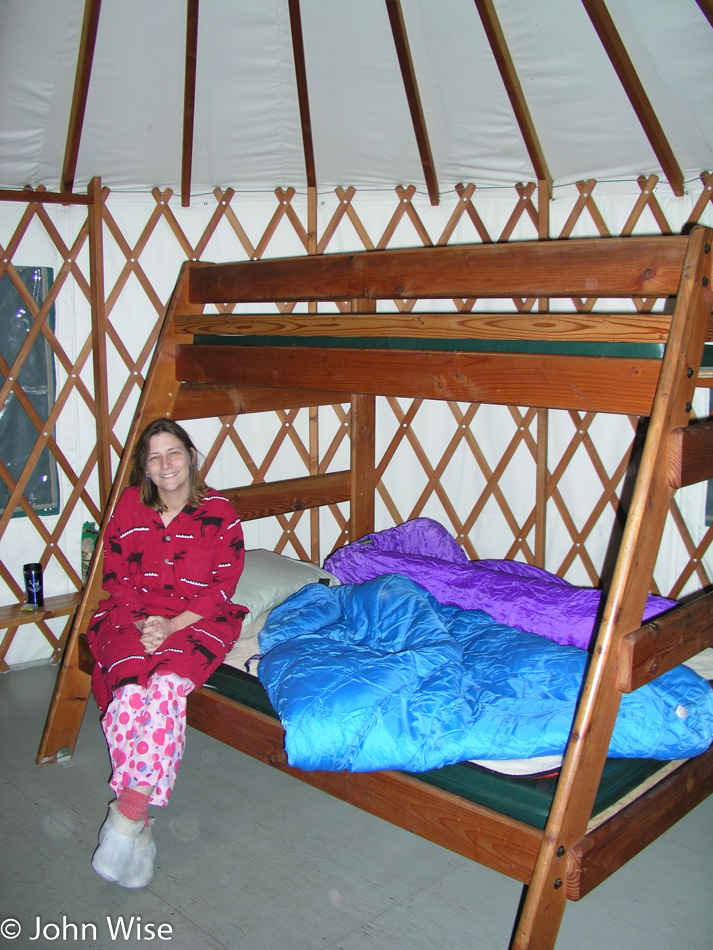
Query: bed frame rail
{"points": [[464, 827], [608, 847], [615, 267], [663, 643], [594, 383], [203, 400]]}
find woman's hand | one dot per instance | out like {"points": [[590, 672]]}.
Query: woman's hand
{"points": [[154, 630]]}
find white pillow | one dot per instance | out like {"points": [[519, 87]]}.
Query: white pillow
{"points": [[269, 578], [246, 646]]}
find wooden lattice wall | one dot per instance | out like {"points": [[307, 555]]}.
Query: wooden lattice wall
{"points": [[115, 260]]}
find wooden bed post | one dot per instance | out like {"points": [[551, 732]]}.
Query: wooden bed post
{"points": [[363, 463], [71, 692], [362, 434], [546, 896], [541, 481], [99, 338]]}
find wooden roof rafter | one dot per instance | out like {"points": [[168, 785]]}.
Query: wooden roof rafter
{"points": [[189, 99], [302, 91], [408, 73], [633, 87], [85, 58], [500, 50]]}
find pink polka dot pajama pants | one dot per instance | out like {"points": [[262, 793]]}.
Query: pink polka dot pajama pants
{"points": [[145, 729]]}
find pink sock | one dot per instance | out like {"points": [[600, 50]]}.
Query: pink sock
{"points": [[133, 805]]}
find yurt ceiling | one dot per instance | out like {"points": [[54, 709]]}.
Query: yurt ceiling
{"points": [[258, 94]]}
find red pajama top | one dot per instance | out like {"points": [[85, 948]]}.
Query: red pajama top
{"points": [[151, 569]]}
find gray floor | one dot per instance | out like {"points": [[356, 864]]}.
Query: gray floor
{"points": [[249, 859]]}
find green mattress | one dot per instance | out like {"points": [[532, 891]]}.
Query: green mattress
{"points": [[527, 799], [461, 344]]}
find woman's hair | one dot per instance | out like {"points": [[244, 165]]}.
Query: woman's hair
{"points": [[148, 492]]}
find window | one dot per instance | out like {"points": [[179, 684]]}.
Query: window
{"points": [[18, 434]]}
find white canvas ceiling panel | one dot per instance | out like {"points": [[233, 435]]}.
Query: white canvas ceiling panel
{"points": [[247, 124], [358, 106], [671, 43], [132, 128], [468, 114], [38, 58], [585, 123]]}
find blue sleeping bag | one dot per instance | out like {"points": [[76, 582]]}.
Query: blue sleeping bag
{"points": [[381, 676]]}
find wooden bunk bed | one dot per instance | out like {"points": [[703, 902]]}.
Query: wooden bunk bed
{"points": [[355, 355]]}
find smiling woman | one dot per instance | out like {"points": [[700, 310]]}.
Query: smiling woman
{"points": [[173, 553]]}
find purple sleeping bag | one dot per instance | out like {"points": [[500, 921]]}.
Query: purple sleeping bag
{"points": [[512, 592]]}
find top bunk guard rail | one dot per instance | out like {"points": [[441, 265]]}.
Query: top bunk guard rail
{"points": [[595, 383], [598, 267], [188, 375]]}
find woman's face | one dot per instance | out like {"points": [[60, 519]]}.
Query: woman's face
{"points": [[168, 467]]}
